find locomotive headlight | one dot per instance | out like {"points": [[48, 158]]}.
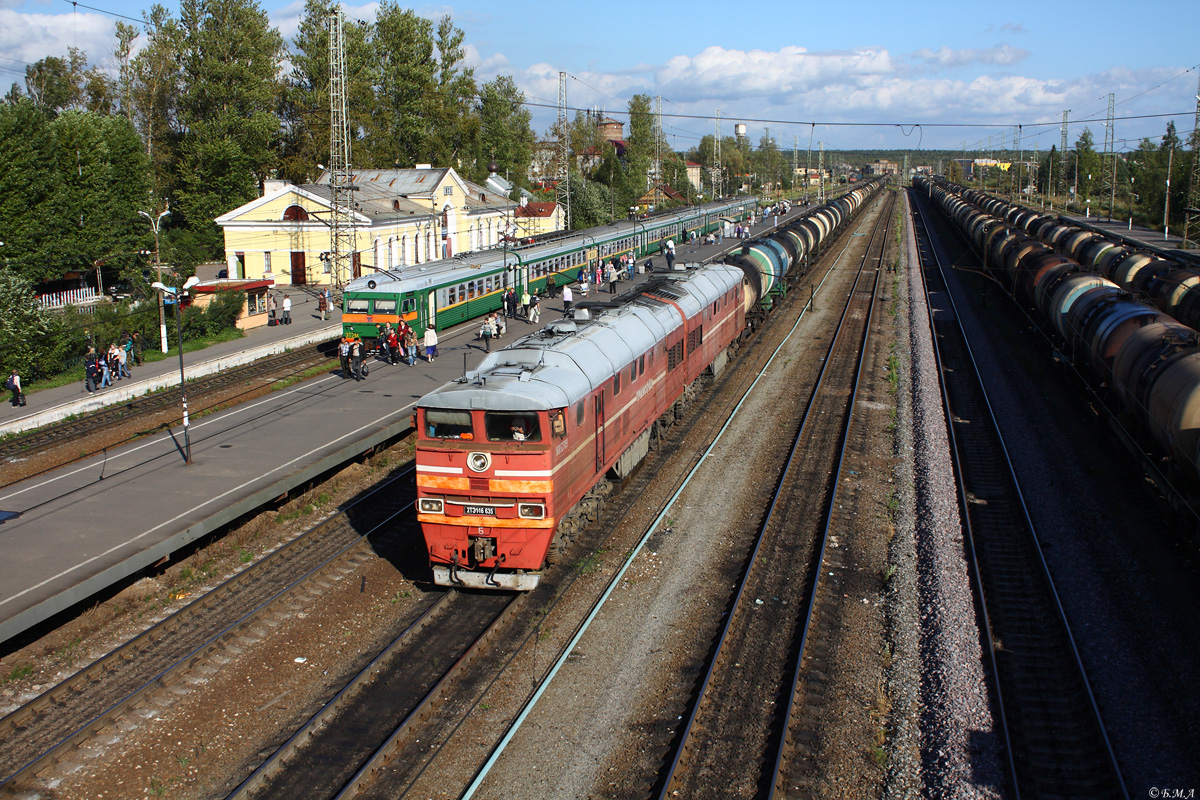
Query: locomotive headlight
{"points": [[531, 511], [430, 505], [479, 462]]}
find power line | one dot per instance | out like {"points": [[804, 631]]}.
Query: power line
{"points": [[102, 11]]}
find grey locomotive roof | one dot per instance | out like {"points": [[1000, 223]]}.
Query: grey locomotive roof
{"points": [[447, 270], [566, 360]]}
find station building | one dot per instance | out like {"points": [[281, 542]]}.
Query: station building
{"points": [[402, 218]]}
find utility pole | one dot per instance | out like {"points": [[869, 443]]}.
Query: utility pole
{"points": [[1167, 197], [341, 181], [1062, 157], [1109, 173], [658, 135], [562, 172], [719, 175], [795, 159], [808, 160], [1191, 219], [821, 175], [162, 313]]}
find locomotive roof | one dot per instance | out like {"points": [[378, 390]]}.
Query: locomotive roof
{"points": [[566, 360]]}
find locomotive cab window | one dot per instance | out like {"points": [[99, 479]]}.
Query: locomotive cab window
{"points": [[441, 423], [357, 305], [408, 305], [508, 426], [385, 306]]}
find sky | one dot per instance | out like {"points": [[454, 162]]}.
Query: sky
{"points": [[949, 75]]}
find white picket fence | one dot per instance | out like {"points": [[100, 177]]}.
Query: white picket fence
{"points": [[71, 297]]}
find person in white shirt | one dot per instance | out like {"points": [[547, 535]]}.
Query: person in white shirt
{"points": [[567, 298]]}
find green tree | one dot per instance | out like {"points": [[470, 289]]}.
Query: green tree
{"points": [[453, 125], [153, 80], [404, 83], [639, 155], [228, 112], [305, 108], [56, 84], [30, 339], [505, 134], [1086, 167]]}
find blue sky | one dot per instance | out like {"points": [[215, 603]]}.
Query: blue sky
{"points": [[878, 68]]}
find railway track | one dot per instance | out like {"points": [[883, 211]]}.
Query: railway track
{"points": [[48, 730], [1052, 729], [768, 654], [160, 410]]}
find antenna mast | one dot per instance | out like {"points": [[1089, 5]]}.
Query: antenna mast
{"points": [[562, 172], [340, 177]]}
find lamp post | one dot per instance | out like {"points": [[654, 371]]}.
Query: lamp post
{"points": [[178, 294], [162, 314]]}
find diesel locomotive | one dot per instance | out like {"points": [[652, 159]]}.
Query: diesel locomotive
{"points": [[515, 456]]}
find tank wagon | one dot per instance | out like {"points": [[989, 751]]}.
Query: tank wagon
{"points": [[513, 458], [446, 292], [1110, 307]]}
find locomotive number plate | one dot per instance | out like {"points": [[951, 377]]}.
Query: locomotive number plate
{"points": [[480, 511]]}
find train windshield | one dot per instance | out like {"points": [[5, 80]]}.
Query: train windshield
{"points": [[508, 426], [448, 424], [356, 305]]}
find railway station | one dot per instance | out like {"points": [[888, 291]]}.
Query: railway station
{"points": [[581, 410]]}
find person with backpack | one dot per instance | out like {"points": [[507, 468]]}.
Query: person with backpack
{"points": [[13, 384]]}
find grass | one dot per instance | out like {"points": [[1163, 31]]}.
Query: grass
{"points": [[886, 575], [17, 674], [246, 556], [893, 373]]}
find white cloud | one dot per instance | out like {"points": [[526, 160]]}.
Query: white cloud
{"points": [[31, 37], [1000, 55]]}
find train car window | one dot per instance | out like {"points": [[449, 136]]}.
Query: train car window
{"points": [[579, 414], [616, 384], [558, 423], [408, 305], [356, 305], [642, 363], [445, 423], [385, 306], [489, 283], [508, 426], [451, 296], [471, 290], [633, 371]]}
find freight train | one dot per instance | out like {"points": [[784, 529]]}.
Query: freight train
{"points": [[1128, 316], [444, 293], [513, 458]]}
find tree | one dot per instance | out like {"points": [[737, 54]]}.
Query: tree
{"points": [[453, 125], [227, 109], [27, 342], [404, 83], [639, 155], [56, 84], [505, 134], [1086, 166], [305, 108], [153, 80]]}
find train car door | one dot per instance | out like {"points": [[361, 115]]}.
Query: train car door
{"points": [[431, 309], [600, 432]]}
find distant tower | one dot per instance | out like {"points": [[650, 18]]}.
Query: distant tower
{"points": [[658, 136], [1191, 220], [821, 174], [718, 177], [562, 171], [1108, 168], [1062, 159], [340, 177]]}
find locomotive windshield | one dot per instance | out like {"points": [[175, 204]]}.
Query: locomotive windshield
{"points": [[507, 426], [356, 305], [447, 424]]}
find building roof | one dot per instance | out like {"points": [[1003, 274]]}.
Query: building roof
{"points": [[539, 209]]}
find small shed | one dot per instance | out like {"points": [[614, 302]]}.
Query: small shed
{"points": [[254, 307]]}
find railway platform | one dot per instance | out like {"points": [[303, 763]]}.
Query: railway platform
{"points": [[76, 531], [53, 405]]}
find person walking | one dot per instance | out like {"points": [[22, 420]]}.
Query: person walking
{"points": [[344, 356], [551, 287], [105, 373], [356, 357], [270, 310], [535, 311], [486, 332], [122, 366], [410, 344], [91, 371], [321, 305], [393, 346], [567, 299], [14, 385], [137, 348], [431, 342], [670, 254], [525, 303], [612, 277], [287, 310]]}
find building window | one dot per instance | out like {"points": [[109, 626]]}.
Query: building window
{"points": [[266, 263], [449, 190]]}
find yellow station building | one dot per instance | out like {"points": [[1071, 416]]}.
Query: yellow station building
{"points": [[402, 217]]}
